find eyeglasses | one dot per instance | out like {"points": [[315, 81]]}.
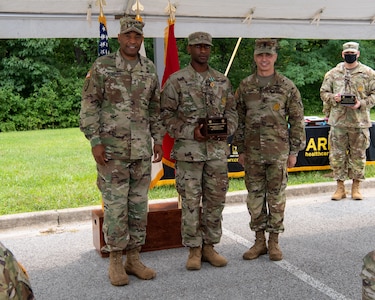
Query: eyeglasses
{"points": [[202, 46]]}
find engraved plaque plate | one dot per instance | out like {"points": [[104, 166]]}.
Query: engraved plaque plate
{"points": [[348, 100], [214, 127]]}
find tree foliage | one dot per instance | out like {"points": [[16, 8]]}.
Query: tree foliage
{"points": [[42, 78]]}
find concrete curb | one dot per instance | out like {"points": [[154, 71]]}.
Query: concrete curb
{"points": [[70, 215]]}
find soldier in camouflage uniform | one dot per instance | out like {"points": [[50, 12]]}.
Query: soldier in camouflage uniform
{"points": [[368, 277], [349, 135], [270, 134], [120, 114], [14, 281], [198, 91]]}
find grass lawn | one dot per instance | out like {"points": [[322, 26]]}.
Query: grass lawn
{"points": [[54, 169]]}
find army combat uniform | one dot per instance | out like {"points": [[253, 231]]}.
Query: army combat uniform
{"points": [[368, 277], [271, 127], [14, 281], [121, 110], [349, 127], [201, 167]]}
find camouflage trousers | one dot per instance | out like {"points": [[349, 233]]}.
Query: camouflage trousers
{"points": [[206, 184], [124, 186], [368, 276], [266, 184], [347, 154]]}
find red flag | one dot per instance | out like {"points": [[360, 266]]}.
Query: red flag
{"points": [[172, 65]]}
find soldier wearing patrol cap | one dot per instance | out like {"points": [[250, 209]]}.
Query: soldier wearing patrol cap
{"points": [[270, 134], [349, 135], [193, 93], [120, 113]]}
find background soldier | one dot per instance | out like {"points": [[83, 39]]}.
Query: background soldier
{"points": [[368, 277], [349, 135], [195, 92], [270, 134], [14, 281], [120, 113]]}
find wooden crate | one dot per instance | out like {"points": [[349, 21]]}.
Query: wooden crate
{"points": [[163, 228]]}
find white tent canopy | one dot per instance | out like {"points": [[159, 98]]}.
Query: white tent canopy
{"points": [[318, 19]]}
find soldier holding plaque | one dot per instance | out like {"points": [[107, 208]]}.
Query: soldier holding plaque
{"points": [[199, 112], [349, 91]]}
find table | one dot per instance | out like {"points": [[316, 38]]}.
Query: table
{"points": [[315, 156]]}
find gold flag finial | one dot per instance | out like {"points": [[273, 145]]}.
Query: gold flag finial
{"points": [[101, 3], [138, 7], [171, 11]]}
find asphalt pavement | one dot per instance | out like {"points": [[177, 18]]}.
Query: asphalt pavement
{"points": [[323, 246]]}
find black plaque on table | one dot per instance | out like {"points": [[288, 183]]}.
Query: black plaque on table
{"points": [[348, 99], [214, 127]]}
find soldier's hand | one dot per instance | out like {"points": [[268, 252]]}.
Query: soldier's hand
{"points": [[241, 159], [98, 152], [198, 135], [356, 105], [158, 153], [292, 160], [337, 97]]}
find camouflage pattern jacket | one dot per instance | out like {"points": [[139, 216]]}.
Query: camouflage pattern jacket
{"points": [[185, 98], [271, 119], [14, 282], [362, 84], [368, 276], [121, 108]]}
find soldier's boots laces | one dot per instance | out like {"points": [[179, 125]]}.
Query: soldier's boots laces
{"points": [[210, 255], [133, 265], [258, 249], [273, 247], [356, 194], [194, 259], [116, 271], [340, 191]]}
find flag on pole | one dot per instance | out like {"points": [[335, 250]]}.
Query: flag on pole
{"points": [[172, 65], [103, 47]]}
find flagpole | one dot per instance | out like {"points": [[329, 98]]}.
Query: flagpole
{"points": [[233, 55]]}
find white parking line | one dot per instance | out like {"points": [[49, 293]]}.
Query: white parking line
{"points": [[291, 269]]}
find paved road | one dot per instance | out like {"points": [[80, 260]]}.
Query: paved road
{"points": [[323, 245]]}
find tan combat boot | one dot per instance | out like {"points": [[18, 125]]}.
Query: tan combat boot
{"points": [[356, 195], [116, 271], [273, 247], [211, 256], [340, 191], [133, 265], [194, 260], [258, 249]]}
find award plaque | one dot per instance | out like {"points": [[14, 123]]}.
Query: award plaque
{"points": [[214, 127], [348, 100]]}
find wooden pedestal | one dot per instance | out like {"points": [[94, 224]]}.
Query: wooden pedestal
{"points": [[163, 228]]}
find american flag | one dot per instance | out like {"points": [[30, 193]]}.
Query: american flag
{"points": [[103, 48]]}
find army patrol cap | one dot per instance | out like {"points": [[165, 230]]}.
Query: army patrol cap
{"points": [[265, 46], [350, 47], [128, 24], [197, 38]]}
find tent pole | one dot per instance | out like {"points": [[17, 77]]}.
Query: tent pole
{"points": [[233, 55]]}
